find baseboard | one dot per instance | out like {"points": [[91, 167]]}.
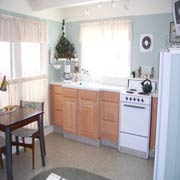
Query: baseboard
{"points": [[58, 130], [74, 137], [48, 130], [109, 143], [151, 153], [133, 152]]}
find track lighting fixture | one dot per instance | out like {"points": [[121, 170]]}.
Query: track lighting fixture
{"points": [[87, 11], [113, 4], [99, 4]]}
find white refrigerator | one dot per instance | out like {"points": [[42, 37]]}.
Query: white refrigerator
{"points": [[167, 150]]}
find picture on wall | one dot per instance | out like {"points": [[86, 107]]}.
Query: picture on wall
{"points": [[146, 42], [173, 38]]}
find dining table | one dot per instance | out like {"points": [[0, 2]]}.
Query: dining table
{"points": [[17, 118]]}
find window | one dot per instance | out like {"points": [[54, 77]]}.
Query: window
{"points": [[24, 53], [5, 60], [20, 60], [30, 56], [106, 48]]}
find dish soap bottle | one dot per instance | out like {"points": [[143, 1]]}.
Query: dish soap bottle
{"points": [[139, 72]]}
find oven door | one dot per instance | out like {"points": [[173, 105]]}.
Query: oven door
{"points": [[135, 119]]}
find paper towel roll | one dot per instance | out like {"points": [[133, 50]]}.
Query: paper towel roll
{"points": [[67, 69]]}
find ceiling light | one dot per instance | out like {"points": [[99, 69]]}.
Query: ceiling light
{"points": [[113, 4], [99, 4], [125, 7], [87, 12]]}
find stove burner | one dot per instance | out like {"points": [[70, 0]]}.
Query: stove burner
{"points": [[143, 93], [130, 92]]}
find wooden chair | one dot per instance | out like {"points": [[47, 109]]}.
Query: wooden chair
{"points": [[24, 133], [2, 150]]}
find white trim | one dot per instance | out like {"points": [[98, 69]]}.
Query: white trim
{"points": [[162, 117], [21, 80]]}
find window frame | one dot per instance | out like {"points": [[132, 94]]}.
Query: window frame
{"points": [[16, 61], [127, 37]]}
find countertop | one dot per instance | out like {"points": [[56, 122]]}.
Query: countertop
{"points": [[94, 87], [90, 86]]}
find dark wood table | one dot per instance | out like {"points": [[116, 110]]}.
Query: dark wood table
{"points": [[14, 120]]}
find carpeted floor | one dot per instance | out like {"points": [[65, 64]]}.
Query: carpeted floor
{"points": [[69, 174], [103, 161]]}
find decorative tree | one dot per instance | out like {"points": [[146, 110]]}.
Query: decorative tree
{"points": [[64, 48]]}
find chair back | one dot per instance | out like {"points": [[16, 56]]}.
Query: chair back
{"points": [[32, 104]]}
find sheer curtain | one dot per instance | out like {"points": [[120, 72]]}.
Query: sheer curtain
{"points": [[18, 29], [33, 87], [106, 48]]}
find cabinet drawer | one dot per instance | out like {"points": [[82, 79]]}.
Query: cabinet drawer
{"points": [[110, 111], [57, 89], [110, 96], [69, 92], [89, 95], [109, 130]]}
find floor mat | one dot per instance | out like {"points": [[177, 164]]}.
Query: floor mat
{"points": [[69, 174]]}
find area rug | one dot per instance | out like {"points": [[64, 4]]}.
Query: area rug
{"points": [[69, 174]]}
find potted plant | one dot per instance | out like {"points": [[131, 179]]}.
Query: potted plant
{"points": [[64, 48]]}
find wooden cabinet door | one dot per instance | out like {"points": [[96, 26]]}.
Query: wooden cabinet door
{"points": [[109, 121], [88, 119], [109, 130], [56, 106], [153, 123], [70, 115], [109, 113]]}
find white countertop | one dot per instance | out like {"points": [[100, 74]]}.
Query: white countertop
{"points": [[94, 87], [90, 86]]}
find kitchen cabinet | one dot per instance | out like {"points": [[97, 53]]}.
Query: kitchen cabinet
{"points": [[153, 123], [56, 105], [88, 122], [109, 116], [70, 105], [92, 114]]}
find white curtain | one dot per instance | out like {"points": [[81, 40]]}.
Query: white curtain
{"points": [[17, 29], [106, 49], [105, 31], [37, 90], [28, 89]]}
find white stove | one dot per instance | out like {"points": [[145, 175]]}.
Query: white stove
{"points": [[134, 126], [135, 97]]}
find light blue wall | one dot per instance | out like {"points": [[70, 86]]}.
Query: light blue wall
{"points": [[158, 25], [54, 32]]}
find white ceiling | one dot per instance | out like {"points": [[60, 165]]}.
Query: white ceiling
{"points": [[73, 10], [44, 4]]}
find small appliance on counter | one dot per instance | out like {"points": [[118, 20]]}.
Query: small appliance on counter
{"points": [[67, 72]]}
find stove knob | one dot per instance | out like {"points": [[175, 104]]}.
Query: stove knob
{"points": [[130, 99], [126, 98], [138, 99], [142, 100], [134, 99]]}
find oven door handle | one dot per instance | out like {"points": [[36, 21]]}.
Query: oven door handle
{"points": [[132, 106]]}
